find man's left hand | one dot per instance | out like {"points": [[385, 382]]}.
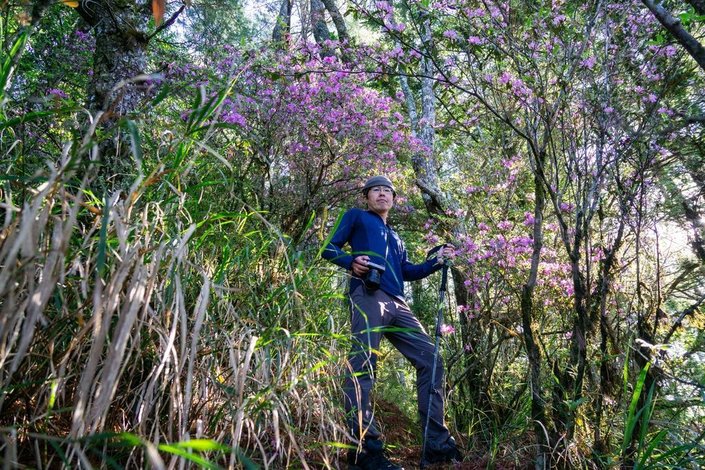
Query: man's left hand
{"points": [[446, 253], [442, 253]]}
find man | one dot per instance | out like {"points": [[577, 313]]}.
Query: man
{"points": [[379, 266]]}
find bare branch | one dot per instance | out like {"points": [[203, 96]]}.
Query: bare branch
{"points": [[167, 23]]}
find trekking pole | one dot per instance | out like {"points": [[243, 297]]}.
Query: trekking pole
{"points": [[439, 322]]}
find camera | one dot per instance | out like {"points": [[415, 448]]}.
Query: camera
{"points": [[374, 276]]}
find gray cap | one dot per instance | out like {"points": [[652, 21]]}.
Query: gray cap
{"points": [[378, 181]]}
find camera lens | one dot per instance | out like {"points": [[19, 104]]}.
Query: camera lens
{"points": [[373, 279]]}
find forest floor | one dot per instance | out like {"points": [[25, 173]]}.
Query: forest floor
{"points": [[400, 434]]}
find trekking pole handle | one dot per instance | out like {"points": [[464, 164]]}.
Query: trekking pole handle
{"points": [[444, 277]]}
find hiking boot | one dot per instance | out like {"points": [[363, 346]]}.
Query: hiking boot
{"points": [[370, 460], [446, 453]]}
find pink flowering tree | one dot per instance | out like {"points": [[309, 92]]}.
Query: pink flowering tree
{"points": [[575, 99], [302, 134]]}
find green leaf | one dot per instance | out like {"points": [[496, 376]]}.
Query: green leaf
{"points": [[632, 414], [128, 439], [195, 458], [17, 47], [135, 140], [652, 446], [36, 115], [163, 93], [203, 445]]}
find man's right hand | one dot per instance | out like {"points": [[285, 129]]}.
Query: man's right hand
{"points": [[359, 265]]}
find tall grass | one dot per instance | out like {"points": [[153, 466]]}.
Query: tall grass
{"points": [[150, 327], [656, 446]]}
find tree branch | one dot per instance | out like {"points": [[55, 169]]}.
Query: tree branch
{"points": [[673, 25], [688, 311], [167, 23]]}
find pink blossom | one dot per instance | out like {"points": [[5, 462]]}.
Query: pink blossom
{"points": [[447, 329], [384, 6], [559, 19], [652, 98], [399, 27], [589, 63], [521, 242], [505, 225], [472, 189], [432, 239], [58, 93], [451, 34], [476, 13], [567, 287], [234, 118], [82, 36], [566, 207]]}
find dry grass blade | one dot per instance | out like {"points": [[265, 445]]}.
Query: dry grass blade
{"points": [[199, 315], [116, 357]]}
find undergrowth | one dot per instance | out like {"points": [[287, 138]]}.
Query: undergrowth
{"points": [[145, 326]]}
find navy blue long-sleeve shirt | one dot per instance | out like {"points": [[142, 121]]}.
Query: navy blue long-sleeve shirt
{"points": [[367, 234]]}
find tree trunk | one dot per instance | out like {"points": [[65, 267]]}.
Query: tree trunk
{"points": [[282, 27], [117, 87], [697, 225], [438, 205], [338, 21], [121, 35], [538, 412], [321, 33], [608, 374]]}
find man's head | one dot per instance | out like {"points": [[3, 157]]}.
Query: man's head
{"points": [[379, 194], [377, 181]]}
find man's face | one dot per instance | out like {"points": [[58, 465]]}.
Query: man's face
{"points": [[380, 199]]}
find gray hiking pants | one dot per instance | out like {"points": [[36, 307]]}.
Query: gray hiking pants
{"points": [[373, 315]]}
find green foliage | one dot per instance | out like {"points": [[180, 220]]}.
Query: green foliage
{"points": [[7, 64], [225, 284]]}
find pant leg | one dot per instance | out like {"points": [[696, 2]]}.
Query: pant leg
{"points": [[418, 348], [367, 317]]}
